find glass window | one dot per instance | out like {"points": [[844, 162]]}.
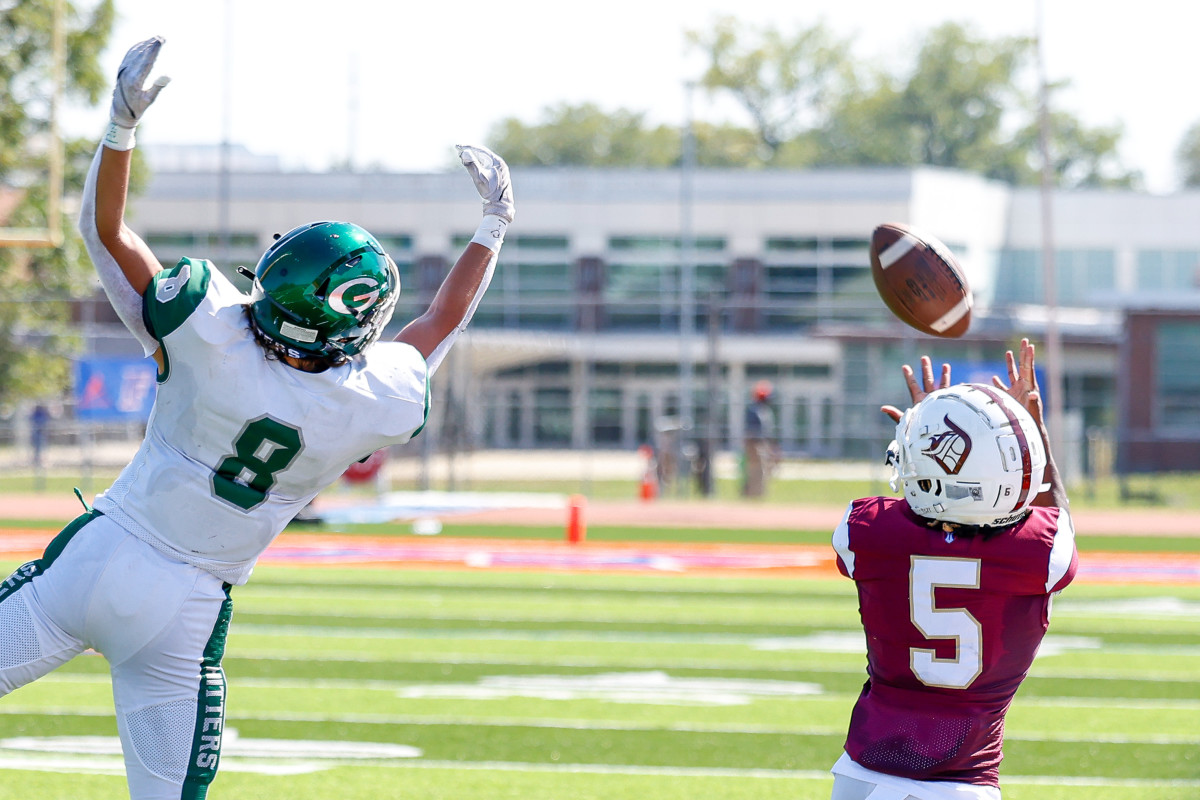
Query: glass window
{"points": [[1083, 272], [528, 291], [791, 243], [394, 242], [538, 242], [513, 417], [1177, 371], [655, 370], [843, 243], [1168, 269], [641, 295], [196, 244], [644, 243], [1018, 277], [165, 240], [606, 416], [762, 371], [552, 416], [1079, 274], [801, 414]]}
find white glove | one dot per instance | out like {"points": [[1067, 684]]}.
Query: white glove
{"points": [[130, 100], [490, 174]]}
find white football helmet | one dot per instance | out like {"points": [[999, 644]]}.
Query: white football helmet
{"points": [[968, 454]]}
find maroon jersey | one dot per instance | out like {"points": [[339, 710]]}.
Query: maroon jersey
{"points": [[952, 625]]}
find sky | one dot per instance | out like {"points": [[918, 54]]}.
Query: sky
{"points": [[397, 83]]}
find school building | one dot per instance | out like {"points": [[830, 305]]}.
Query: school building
{"points": [[630, 304]]}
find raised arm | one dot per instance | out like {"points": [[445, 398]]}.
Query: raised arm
{"points": [[434, 332], [1023, 387], [123, 262], [915, 390]]}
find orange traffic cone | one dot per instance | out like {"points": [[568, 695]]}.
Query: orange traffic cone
{"points": [[649, 487], [576, 524]]}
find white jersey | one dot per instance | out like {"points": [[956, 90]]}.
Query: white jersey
{"points": [[238, 444]]}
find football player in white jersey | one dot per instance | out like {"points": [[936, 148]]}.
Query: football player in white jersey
{"points": [[263, 400]]}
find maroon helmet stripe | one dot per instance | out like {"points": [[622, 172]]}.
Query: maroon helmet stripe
{"points": [[1022, 442]]}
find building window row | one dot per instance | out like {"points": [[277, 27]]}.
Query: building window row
{"points": [[636, 283]]}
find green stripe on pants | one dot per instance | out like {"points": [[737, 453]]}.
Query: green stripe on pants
{"points": [[210, 709]]}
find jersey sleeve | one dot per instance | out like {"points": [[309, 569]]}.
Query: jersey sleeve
{"points": [[1064, 557], [173, 295], [841, 544], [397, 374]]}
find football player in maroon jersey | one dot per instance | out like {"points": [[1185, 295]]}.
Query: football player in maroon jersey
{"points": [[954, 585]]}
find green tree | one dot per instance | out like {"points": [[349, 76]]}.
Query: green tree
{"points": [[959, 105], [1187, 156], [1080, 156], [950, 110], [955, 100], [727, 145], [966, 103], [585, 135], [786, 83], [36, 340]]}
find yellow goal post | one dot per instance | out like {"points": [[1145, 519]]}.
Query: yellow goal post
{"points": [[51, 234]]}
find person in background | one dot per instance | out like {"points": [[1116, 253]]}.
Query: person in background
{"points": [[761, 449], [39, 422]]}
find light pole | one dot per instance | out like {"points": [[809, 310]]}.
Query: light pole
{"points": [[1053, 359], [687, 269]]}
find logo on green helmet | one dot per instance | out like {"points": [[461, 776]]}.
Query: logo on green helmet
{"points": [[355, 305]]}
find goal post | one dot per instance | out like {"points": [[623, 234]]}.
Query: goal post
{"points": [[51, 234]]}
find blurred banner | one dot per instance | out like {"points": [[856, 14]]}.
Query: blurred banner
{"points": [[114, 388]]}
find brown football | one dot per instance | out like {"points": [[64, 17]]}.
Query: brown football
{"points": [[920, 280]]}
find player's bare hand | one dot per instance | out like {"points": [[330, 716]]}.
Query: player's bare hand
{"points": [[490, 174], [918, 390], [1022, 383], [130, 100]]}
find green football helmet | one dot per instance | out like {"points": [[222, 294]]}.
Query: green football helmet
{"points": [[324, 290]]}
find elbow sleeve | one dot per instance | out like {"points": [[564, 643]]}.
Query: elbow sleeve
{"points": [[125, 301]]}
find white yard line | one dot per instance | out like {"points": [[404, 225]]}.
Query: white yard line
{"points": [[610, 725]]}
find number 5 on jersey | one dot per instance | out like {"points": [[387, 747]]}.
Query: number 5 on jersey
{"points": [[925, 575], [263, 449]]}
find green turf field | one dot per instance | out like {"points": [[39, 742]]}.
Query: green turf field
{"points": [[1158, 490], [376, 683]]}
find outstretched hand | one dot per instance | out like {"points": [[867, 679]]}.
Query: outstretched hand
{"points": [[1022, 381], [917, 391], [490, 174], [130, 100]]}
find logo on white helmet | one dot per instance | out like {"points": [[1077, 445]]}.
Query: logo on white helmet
{"points": [[950, 448], [344, 301]]}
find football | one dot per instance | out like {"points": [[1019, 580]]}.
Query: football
{"points": [[920, 280]]}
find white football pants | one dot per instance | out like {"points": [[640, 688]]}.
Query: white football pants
{"points": [[160, 623], [852, 781]]}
